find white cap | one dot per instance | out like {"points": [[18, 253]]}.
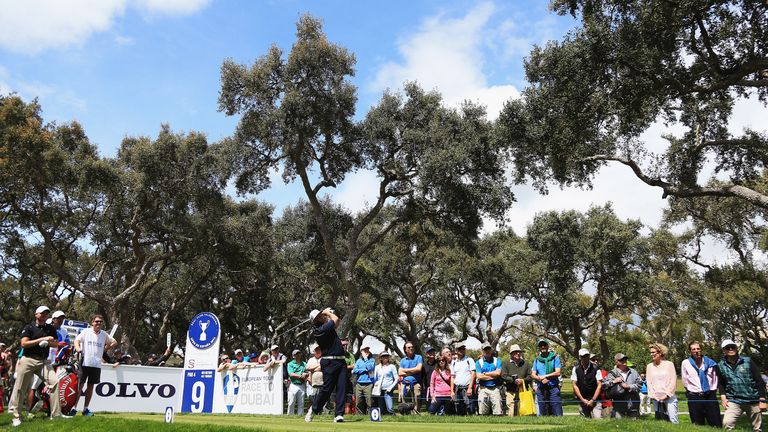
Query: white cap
{"points": [[58, 313], [313, 314], [365, 345], [41, 309], [238, 351], [583, 352], [294, 352], [274, 347], [727, 342], [49, 321], [384, 353]]}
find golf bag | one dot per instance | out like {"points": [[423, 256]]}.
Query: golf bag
{"points": [[67, 368]]}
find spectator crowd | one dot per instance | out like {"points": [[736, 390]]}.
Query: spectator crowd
{"points": [[440, 382]]}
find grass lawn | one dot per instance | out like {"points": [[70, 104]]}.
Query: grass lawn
{"points": [[424, 423]]}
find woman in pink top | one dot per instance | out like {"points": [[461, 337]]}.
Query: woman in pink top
{"points": [[662, 383], [440, 387]]}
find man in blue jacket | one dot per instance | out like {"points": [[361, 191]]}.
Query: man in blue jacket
{"points": [[363, 370]]}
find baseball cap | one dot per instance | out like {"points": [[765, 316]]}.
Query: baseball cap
{"points": [[514, 348], [365, 346], [487, 346], [384, 353], [595, 356], [619, 356], [460, 345], [542, 342], [274, 347], [41, 309], [58, 313], [583, 352], [238, 351], [2, 344], [313, 314], [49, 321], [727, 342], [427, 348], [296, 351]]}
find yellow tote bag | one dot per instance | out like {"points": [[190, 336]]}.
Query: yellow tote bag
{"points": [[526, 402]]}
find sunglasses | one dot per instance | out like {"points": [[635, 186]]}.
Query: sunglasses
{"points": [[98, 321], [730, 347]]}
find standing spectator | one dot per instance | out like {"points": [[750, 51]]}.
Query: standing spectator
{"points": [[298, 375], [240, 358], [429, 366], [92, 343], [662, 381], [623, 386], [447, 354], [440, 387], [349, 359], [332, 363], [36, 337], [385, 377], [489, 379], [4, 376], [315, 374], [605, 401], [411, 367], [462, 379], [699, 374], [742, 389], [546, 370], [587, 384], [363, 371], [276, 358], [645, 400], [515, 373]]}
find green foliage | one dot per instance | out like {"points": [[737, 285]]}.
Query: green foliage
{"points": [[629, 64]]}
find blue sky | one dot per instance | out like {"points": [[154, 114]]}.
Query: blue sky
{"points": [[123, 67]]}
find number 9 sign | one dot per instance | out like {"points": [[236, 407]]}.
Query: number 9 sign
{"points": [[198, 391]]}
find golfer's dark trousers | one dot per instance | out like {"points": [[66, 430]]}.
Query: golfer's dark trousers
{"points": [[704, 408], [334, 377]]}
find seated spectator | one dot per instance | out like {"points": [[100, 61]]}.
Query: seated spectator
{"points": [[623, 387], [120, 358], [439, 392]]}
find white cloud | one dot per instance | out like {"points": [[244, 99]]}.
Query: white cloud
{"points": [[31, 26], [358, 191], [446, 54], [171, 7]]}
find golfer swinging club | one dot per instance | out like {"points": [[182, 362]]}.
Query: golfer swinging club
{"points": [[332, 363]]}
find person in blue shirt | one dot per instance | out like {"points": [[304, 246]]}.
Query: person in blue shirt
{"points": [[363, 370], [332, 363], [488, 370], [411, 367], [546, 370]]}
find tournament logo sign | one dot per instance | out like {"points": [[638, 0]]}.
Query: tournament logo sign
{"points": [[203, 330], [231, 388]]}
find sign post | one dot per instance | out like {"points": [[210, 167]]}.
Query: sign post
{"points": [[200, 361]]}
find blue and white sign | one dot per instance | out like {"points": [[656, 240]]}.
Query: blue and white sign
{"points": [[204, 330], [200, 361], [198, 391]]}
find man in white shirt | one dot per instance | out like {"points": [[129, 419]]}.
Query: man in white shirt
{"points": [[91, 343], [462, 379]]}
